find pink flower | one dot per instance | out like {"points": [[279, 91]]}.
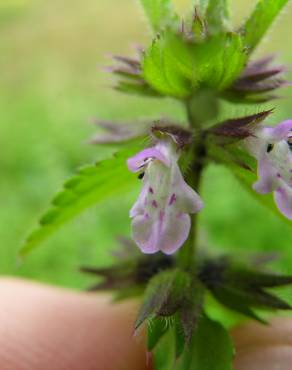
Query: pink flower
{"points": [[161, 220], [272, 147]]}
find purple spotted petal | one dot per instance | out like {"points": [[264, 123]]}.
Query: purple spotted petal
{"points": [[166, 233], [271, 146], [188, 201], [267, 175], [280, 131], [176, 231], [283, 199], [160, 215], [161, 220], [143, 232], [137, 162], [139, 206]]}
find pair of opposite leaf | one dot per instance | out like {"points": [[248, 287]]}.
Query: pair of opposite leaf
{"points": [[202, 50], [161, 220], [161, 215], [176, 50]]}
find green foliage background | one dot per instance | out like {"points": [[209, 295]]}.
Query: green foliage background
{"points": [[51, 85]]}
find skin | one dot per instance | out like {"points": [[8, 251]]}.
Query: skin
{"points": [[262, 347], [44, 328], [54, 329]]}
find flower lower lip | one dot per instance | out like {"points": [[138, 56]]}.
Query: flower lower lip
{"points": [[165, 202]]}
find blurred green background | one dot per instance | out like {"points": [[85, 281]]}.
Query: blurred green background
{"points": [[51, 85]]}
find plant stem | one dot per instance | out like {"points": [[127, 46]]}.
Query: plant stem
{"points": [[187, 256]]}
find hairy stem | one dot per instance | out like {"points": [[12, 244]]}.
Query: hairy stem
{"points": [[187, 257]]}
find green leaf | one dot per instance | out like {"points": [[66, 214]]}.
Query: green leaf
{"points": [[174, 67], [159, 12], [251, 297], [232, 157], [198, 27], [164, 295], [211, 348], [235, 302], [229, 62], [260, 279], [157, 327], [162, 71], [192, 309], [164, 353], [133, 88], [201, 5], [260, 20], [92, 185], [173, 296], [218, 16], [242, 289], [179, 336], [235, 129]]}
